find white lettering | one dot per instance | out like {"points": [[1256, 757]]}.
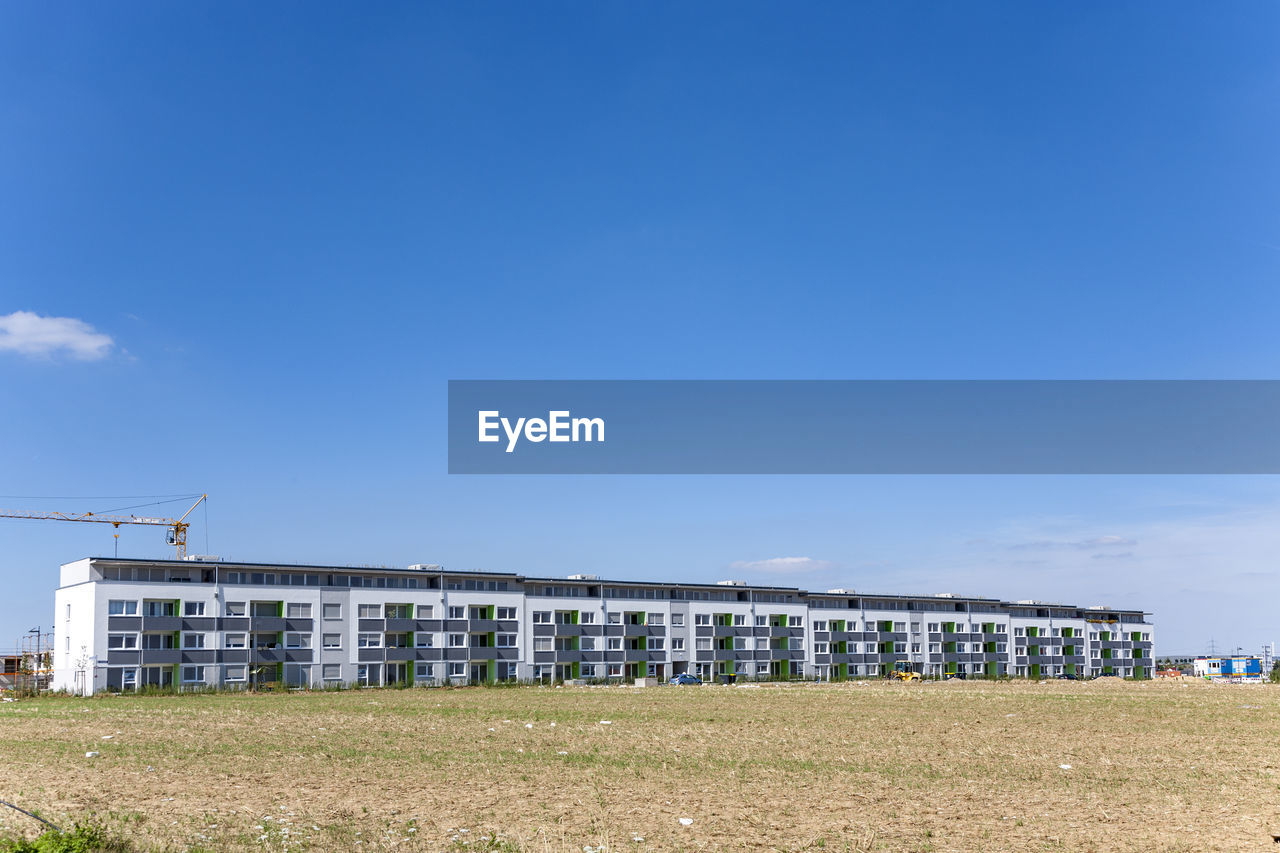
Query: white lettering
{"points": [[588, 424], [559, 424], [558, 427], [513, 435], [487, 424]]}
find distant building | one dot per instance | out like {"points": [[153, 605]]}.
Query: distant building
{"points": [[1229, 668], [125, 624]]}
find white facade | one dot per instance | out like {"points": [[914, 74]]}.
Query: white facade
{"points": [[126, 624]]}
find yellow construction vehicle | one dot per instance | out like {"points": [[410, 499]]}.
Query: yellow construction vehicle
{"points": [[902, 671], [176, 535]]}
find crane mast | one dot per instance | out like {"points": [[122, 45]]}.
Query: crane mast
{"points": [[176, 535]]}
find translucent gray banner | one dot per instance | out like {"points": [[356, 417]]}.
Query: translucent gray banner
{"points": [[864, 427]]}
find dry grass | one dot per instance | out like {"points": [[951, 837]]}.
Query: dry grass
{"points": [[862, 766]]}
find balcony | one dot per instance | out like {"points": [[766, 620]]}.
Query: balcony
{"points": [[161, 623], [269, 623]]}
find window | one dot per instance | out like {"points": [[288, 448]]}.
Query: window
{"points": [[157, 608], [424, 639], [331, 611], [122, 608], [899, 648], [587, 644], [369, 611], [933, 627], [1017, 631], [236, 673], [332, 641], [1002, 629], [121, 641], [298, 610], [457, 641], [762, 621], [542, 617], [424, 671], [331, 672], [542, 644], [370, 641], [479, 613], [915, 648], [795, 621], [615, 670], [507, 613], [293, 640], [586, 617], [935, 648], [739, 619], [657, 643], [915, 627], [129, 678], [677, 644], [795, 643], [457, 613], [235, 608], [1002, 647], [457, 669], [899, 627], [193, 641], [615, 643], [820, 626], [655, 619], [586, 670], [508, 641], [426, 611], [233, 641], [615, 618], [821, 648], [193, 608], [961, 648], [702, 619], [1146, 638], [191, 674], [741, 643], [677, 620], [703, 644]]}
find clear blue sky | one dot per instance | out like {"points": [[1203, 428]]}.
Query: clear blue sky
{"points": [[296, 221]]}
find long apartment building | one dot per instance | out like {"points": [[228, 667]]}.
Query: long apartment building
{"points": [[122, 624]]}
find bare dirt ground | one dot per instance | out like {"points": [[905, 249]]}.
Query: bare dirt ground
{"points": [[981, 766]]}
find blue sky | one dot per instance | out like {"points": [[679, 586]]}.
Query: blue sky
{"points": [[296, 222]]}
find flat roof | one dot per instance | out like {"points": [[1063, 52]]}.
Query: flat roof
{"points": [[603, 581]]}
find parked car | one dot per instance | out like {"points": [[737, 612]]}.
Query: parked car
{"points": [[1066, 676], [685, 678]]}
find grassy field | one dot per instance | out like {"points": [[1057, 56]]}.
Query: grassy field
{"points": [[858, 766]]}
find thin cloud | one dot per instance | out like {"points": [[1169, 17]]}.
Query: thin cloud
{"points": [[782, 565], [30, 334], [1076, 544]]}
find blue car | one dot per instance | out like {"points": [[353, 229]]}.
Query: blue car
{"points": [[685, 678]]}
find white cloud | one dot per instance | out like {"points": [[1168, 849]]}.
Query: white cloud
{"points": [[30, 334], [782, 565], [1088, 544]]}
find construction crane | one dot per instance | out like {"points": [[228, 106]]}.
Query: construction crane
{"points": [[176, 535]]}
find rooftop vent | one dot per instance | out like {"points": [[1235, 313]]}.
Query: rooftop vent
{"points": [[584, 577], [1029, 601], [1097, 607], [946, 595], [202, 558], [731, 583], [425, 567], [840, 591]]}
